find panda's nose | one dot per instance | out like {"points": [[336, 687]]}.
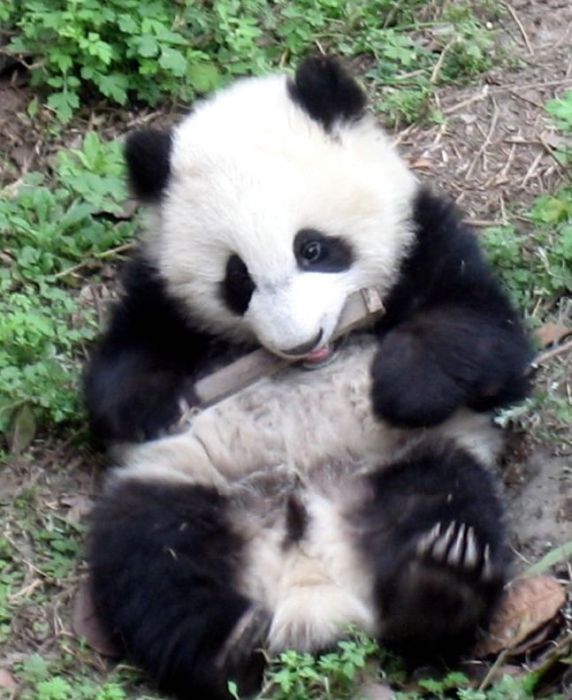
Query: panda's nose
{"points": [[305, 348]]}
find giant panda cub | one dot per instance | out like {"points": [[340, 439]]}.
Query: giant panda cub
{"points": [[355, 486]]}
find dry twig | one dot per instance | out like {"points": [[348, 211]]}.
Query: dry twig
{"points": [[549, 355], [520, 26], [99, 256], [439, 64], [531, 170], [486, 142], [465, 103]]}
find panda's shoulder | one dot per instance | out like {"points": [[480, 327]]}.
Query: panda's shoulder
{"points": [[145, 308], [143, 287], [440, 226], [445, 244]]}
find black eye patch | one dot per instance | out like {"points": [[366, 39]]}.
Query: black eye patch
{"points": [[317, 252], [237, 286]]}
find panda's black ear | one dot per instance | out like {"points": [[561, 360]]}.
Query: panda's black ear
{"points": [[326, 92], [148, 156]]}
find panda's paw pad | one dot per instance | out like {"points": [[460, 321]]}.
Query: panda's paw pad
{"points": [[457, 546]]}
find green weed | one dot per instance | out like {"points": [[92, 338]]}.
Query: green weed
{"points": [[153, 50], [536, 264], [561, 110], [343, 673], [44, 679], [49, 227], [332, 676]]}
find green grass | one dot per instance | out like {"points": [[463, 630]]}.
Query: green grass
{"points": [[535, 260], [343, 674], [53, 225], [60, 221], [157, 50]]}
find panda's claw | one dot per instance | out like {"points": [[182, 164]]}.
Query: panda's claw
{"points": [[426, 541], [455, 555], [471, 550], [457, 546], [441, 546]]}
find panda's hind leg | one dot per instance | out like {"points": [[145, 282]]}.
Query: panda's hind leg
{"points": [[164, 564], [434, 530]]}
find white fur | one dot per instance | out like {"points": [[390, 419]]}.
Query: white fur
{"points": [[316, 589], [311, 433], [249, 170], [290, 314]]}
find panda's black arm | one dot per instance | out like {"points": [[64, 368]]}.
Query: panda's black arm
{"points": [[450, 336], [145, 362]]}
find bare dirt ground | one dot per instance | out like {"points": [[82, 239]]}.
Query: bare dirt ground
{"points": [[493, 154], [496, 149]]}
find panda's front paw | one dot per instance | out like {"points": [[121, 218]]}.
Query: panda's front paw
{"points": [[409, 387], [139, 409]]}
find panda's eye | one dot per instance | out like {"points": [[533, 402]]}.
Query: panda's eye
{"points": [[311, 252], [316, 252]]}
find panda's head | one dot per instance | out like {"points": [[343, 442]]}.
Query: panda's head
{"points": [[272, 202]]}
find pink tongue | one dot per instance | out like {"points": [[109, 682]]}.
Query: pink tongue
{"points": [[318, 355]]}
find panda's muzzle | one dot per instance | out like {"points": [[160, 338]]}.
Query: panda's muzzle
{"points": [[304, 348], [362, 309]]}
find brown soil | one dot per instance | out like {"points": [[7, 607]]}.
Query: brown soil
{"points": [[496, 149], [495, 154]]}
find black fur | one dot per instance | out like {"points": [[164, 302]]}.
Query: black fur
{"points": [[450, 336], [147, 361], [163, 563], [237, 287], [429, 607], [165, 559], [333, 254], [148, 154], [296, 520], [326, 92]]}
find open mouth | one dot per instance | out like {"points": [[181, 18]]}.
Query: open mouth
{"points": [[318, 357]]}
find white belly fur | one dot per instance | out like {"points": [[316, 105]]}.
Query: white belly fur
{"points": [[312, 431]]}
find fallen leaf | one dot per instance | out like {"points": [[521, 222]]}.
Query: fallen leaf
{"points": [[552, 334], [7, 681], [86, 623], [22, 429], [527, 605]]}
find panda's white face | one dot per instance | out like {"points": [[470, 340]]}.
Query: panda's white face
{"points": [[268, 222]]}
